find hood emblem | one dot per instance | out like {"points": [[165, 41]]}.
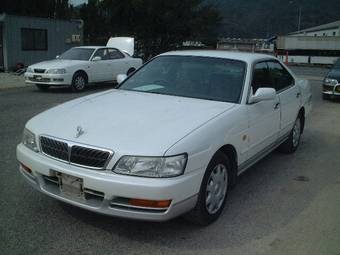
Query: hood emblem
{"points": [[80, 131]]}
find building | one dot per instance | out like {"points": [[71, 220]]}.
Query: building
{"points": [[315, 45], [28, 40], [249, 45]]}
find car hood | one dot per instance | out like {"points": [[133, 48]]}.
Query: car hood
{"points": [[133, 123], [56, 63], [334, 74]]}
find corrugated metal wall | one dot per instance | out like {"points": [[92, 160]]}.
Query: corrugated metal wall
{"points": [[59, 35]]}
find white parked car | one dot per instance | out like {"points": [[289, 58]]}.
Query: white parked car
{"points": [[80, 66], [171, 139]]}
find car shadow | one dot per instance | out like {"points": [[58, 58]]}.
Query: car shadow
{"points": [[65, 89], [270, 195]]}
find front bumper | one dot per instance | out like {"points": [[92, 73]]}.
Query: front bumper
{"points": [[181, 190], [331, 90], [48, 79]]}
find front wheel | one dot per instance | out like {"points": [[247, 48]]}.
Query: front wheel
{"points": [[293, 141], [325, 97], [213, 191], [79, 82]]}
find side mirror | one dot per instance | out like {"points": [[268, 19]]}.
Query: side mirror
{"points": [[263, 94], [97, 58], [121, 78], [57, 57]]}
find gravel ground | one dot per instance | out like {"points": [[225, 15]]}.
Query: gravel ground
{"points": [[285, 204], [10, 80]]}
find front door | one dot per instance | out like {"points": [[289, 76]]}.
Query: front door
{"points": [[1, 49], [100, 68]]}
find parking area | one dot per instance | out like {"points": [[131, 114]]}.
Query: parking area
{"points": [[285, 204]]}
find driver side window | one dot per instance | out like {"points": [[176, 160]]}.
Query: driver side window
{"points": [[100, 53]]}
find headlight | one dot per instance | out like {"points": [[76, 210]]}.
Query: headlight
{"points": [[28, 139], [56, 71], [331, 82], [160, 167], [29, 70]]}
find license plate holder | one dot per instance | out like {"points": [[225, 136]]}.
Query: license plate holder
{"points": [[70, 185], [37, 77]]}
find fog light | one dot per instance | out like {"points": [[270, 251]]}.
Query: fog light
{"points": [[150, 203], [26, 169]]}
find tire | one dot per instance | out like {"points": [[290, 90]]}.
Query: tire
{"points": [[130, 71], [293, 141], [42, 87], [218, 171], [325, 97], [79, 82]]}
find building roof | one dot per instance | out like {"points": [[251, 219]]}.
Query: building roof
{"points": [[335, 24], [242, 56]]}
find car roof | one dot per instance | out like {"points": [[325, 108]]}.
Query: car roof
{"points": [[242, 56], [90, 47]]}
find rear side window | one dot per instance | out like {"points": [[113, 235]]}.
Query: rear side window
{"points": [[280, 77], [261, 78], [114, 54]]}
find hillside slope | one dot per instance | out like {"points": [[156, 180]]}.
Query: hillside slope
{"points": [[264, 18]]}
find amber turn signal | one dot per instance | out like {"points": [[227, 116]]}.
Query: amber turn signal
{"points": [[150, 203]]}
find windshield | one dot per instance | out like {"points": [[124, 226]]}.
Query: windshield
{"points": [[77, 54], [190, 76]]}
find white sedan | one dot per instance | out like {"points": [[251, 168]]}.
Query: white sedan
{"points": [[80, 66], [172, 139]]}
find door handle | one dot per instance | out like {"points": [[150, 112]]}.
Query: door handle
{"points": [[298, 95], [277, 105]]}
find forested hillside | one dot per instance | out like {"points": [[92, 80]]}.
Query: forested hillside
{"points": [[264, 18]]}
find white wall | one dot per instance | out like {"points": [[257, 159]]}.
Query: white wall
{"points": [[304, 59]]}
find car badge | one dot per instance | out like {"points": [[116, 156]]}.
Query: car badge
{"points": [[80, 131]]}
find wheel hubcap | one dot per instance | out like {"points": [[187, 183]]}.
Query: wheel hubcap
{"points": [[79, 83], [216, 188], [296, 133]]}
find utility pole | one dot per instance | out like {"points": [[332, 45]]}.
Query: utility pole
{"points": [[300, 14]]}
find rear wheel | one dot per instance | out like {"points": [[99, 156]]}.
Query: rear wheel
{"points": [[293, 141], [42, 87], [79, 82], [213, 191]]}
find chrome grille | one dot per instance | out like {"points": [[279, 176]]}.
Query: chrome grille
{"points": [[39, 70], [54, 148], [88, 157], [75, 154]]}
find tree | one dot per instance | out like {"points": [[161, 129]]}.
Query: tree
{"points": [[162, 25], [38, 8]]}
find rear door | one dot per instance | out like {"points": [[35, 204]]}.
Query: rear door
{"points": [[118, 63], [289, 94], [264, 116]]}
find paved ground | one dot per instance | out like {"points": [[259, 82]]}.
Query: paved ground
{"points": [[285, 204]]}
